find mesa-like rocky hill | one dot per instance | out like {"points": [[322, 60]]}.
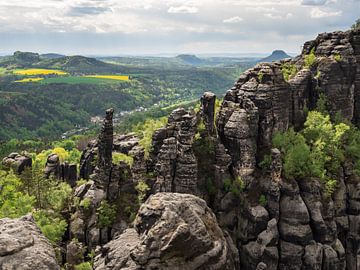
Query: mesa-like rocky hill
{"points": [[268, 180]]}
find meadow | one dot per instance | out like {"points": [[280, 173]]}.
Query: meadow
{"points": [[110, 77]]}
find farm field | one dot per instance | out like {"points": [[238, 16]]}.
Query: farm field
{"points": [[79, 80], [38, 71], [110, 77], [26, 80]]}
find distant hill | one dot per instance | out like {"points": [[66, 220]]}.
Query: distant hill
{"points": [[190, 59], [79, 63], [75, 63], [52, 55], [275, 56]]}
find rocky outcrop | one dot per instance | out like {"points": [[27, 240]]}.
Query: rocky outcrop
{"points": [[282, 223], [23, 247], [175, 162], [208, 111], [17, 162], [62, 171], [52, 166], [171, 231]]}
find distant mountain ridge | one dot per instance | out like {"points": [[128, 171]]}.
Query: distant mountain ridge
{"points": [[74, 63], [275, 56], [190, 59]]}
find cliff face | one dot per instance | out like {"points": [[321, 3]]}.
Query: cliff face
{"points": [[297, 227]]}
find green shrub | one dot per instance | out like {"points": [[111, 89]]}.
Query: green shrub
{"points": [[288, 70], [262, 200], [13, 202], [321, 104], [236, 186], [85, 203], [142, 188], [337, 57], [317, 151], [106, 214], [260, 76], [145, 131], [51, 225], [310, 58], [117, 157], [83, 266]]}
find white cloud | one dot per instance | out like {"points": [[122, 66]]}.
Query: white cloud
{"points": [[313, 2], [318, 13], [278, 16], [183, 9], [235, 19]]}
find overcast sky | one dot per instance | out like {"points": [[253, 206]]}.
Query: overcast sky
{"points": [[115, 27]]}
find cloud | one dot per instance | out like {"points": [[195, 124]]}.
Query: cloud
{"points": [[183, 9], [317, 13], [80, 11], [235, 19], [313, 2], [278, 17]]}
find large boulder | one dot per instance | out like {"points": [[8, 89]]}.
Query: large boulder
{"points": [[171, 231], [24, 247], [17, 162]]}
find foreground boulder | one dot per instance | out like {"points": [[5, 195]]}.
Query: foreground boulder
{"points": [[172, 231], [23, 247]]}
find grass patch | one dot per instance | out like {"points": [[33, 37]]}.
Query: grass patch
{"points": [[38, 71], [77, 80], [110, 77], [26, 80]]}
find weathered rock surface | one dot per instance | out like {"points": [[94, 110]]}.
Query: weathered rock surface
{"points": [[17, 162], [175, 162], [171, 231], [23, 247]]}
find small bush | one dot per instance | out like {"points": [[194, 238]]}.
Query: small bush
{"points": [[85, 203], [83, 266], [235, 186], [260, 76], [288, 70], [118, 157], [142, 188], [262, 200], [310, 58], [337, 57], [51, 226], [106, 214]]}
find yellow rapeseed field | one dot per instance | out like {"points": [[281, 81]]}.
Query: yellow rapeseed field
{"points": [[111, 77], [39, 71], [29, 80]]}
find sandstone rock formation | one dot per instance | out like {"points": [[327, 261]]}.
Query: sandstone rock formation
{"points": [[17, 162], [171, 231], [175, 163], [62, 171], [23, 247]]}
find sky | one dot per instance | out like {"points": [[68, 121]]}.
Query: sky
{"points": [[151, 27]]}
